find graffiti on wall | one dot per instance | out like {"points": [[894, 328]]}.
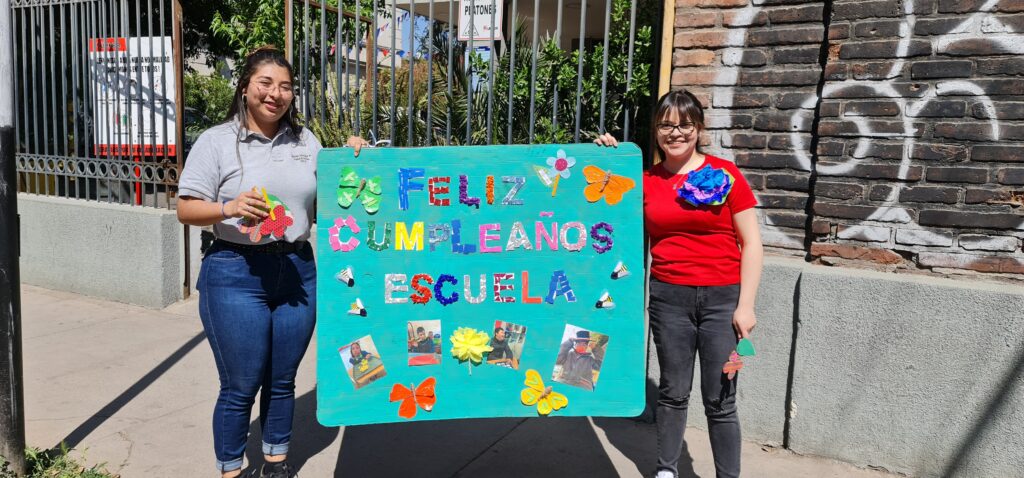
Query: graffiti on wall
{"points": [[1001, 35]]}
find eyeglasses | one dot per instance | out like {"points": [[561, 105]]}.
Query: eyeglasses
{"points": [[667, 128], [282, 90]]}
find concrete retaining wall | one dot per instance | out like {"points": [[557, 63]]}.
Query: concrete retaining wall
{"points": [[918, 375], [116, 252]]}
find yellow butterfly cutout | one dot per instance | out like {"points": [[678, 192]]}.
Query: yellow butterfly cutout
{"points": [[536, 393], [603, 183]]}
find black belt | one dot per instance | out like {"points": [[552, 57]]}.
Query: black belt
{"points": [[277, 247]]}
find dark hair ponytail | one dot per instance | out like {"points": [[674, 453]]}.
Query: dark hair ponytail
{"points": [[259, 57]]}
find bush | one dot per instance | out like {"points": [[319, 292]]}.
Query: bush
{"points": [[209, 97], [55, 464]]}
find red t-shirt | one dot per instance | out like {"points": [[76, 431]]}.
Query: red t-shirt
{"points": [[691, 245]]}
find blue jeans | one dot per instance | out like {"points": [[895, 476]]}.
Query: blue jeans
{"points": [[258, 311], [687, 320]]}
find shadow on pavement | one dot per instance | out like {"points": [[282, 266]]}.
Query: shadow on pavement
{"points": [[309, 438], [637, 438], [73, 439], [495, 447]]}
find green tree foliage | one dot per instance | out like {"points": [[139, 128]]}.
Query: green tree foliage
{"points": [[250, 25], [197, 36], [209, 96]]}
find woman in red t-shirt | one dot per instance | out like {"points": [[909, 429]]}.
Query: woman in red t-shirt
{"points": [[706, 259]]}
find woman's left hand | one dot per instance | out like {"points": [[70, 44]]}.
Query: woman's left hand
{"points": [[356, 143], [744, 320]]}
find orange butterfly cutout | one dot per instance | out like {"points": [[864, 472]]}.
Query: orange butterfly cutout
{"points": [[733, 365], [423, 396], [602, 183]]}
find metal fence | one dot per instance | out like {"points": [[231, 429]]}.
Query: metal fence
{"points": [[547, 78], [100, 111], [95, 82]]}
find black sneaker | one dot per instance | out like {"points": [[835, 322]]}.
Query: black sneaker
{"points": [[277, 470]]}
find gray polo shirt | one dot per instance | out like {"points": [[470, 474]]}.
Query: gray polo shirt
{"points": [[285, 166]]}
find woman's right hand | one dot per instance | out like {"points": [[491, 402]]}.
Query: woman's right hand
{"points": [[607, 140], [249, 205]]}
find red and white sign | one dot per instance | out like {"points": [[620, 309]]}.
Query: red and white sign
{"points": [[133, 96]]}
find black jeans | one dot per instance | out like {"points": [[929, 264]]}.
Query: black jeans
{"points": [[686, 320]]}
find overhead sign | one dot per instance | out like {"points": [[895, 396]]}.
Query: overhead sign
{"points": [[475, 20], [133, 96], [484, 281]]}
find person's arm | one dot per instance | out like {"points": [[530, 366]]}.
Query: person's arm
{"points": [[563, 352], [198, 189], [199, 212], [751, 260]]}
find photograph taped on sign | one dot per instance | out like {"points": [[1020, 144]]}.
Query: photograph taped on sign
{"points": [[424, 342], [507, 344], [471, 237], [362, 361], [580, 357]]}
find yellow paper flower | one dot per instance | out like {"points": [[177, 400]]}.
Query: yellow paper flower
{"points": [[470, 344]]}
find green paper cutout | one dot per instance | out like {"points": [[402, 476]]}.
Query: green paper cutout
{"points": [[745, 348], [351, 186]]}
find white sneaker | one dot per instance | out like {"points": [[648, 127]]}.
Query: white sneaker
{"points": [[665, 474]]}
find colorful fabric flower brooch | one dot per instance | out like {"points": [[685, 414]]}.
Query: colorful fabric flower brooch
{"points": [[707, 187]]}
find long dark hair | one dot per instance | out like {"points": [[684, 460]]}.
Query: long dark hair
{"points": [[261, 56], [686, 105]]}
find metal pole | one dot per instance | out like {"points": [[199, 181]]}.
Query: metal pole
{"points": [[412, 68], [490, 75], [12, 385], [469, 73], [179, 119], [513, 23], [359, 90], [554, 88], [579, 71], [289, 29], [371, 59], [339, 53], [452, 21], [604, 63], [430, 75], [533, 69], [629, 68], [394, 51], [323, 63]]}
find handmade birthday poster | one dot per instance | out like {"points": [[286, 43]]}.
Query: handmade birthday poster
{"points": [[483, 281]]}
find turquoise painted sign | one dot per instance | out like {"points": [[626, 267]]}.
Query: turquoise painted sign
{"points": [[490, 281]]}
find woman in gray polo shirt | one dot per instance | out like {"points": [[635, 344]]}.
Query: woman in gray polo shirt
{"points": [[253, 178]]}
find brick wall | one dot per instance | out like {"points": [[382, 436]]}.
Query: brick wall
{"points": [[873, 132]]}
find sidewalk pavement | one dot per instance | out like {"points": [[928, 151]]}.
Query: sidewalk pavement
{"points": [[134, 389]]}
